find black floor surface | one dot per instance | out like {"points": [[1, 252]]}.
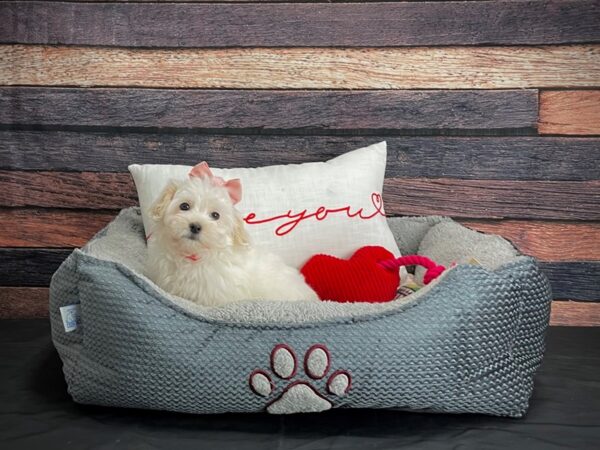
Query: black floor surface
{"points": [[36, 411]]}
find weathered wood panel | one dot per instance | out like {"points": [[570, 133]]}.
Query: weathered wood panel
{"points": [[305, 25], [50, 228], [575, 280], [549, 241], [579, 314], [23, 303], [270, 110], [494, 198], [242, 1], [304, 68], [511, 158], [32, 303], [34, 268], [29, 267], [409, 196], [72, 190], [570, 112]]}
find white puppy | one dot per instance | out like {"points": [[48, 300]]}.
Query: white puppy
{"points": [[199, 249]]}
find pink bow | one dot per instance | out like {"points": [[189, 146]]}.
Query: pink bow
{"points": [[234, 187]]}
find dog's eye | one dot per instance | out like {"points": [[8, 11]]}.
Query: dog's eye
{"points": [[184, 206], [215, 215]]}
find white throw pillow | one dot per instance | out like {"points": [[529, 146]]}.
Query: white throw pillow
{"points": [[298, 210]]}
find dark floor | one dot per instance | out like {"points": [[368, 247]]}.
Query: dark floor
{"points": [[36, 411]]}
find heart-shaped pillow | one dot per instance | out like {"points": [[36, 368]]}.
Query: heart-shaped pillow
{"points": [[362, 278]]}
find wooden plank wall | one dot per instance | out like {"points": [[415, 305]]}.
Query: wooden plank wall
{"points": [[491, 110]]}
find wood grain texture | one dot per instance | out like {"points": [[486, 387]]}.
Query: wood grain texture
{"points": [[23, 303], [548, 241], [26, 267], [270, 110], [32, 303], [301, 25], [493, 198], [50, 228], [242, 1], [575, 280], [579, 314], [71, 190], [304, 68], [570, 112], [511, 158], [403, 196]]}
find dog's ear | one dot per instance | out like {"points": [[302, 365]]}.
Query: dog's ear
{"points": [[157, 210], [240, 235]]}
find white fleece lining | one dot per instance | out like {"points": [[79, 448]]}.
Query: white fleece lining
{"points": [[299, 398], [338, 384], [317, 363], [261, 384], [284, 363]]}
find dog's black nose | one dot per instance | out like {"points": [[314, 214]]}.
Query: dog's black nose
{"points": [[195, 228]]}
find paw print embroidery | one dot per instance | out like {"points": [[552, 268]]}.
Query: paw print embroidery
{"points": [[299, 395]]}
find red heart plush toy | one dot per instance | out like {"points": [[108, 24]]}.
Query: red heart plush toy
{"points": [[360, 278], [370, 275]]}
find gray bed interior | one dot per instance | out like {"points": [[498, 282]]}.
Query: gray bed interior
{"points": [[439, 238]]}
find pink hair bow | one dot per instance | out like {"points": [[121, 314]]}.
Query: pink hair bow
{"points": [[234, 187]]}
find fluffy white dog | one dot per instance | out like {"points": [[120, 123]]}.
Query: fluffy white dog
{"points": [[199, 249]]}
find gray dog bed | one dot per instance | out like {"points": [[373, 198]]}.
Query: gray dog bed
{"points": [[469, 342]]}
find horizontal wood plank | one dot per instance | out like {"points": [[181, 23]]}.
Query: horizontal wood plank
{"points": [[23, 303], [270, 110], [575, 280], [493, 198], [34, 267], [570, 112], [510, 158], [301, 25], [244, 1], [304, 68], [578, 314], [403, 196], [71, 190], [32, 303], [50, 228], [25, 267], [548, 241]]}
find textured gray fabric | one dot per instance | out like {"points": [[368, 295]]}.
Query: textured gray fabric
{"points": [[469, 342]]}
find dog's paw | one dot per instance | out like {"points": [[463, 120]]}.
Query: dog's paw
{"points": [[300, 395]]}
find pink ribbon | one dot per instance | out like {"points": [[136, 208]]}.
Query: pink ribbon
{"points": [[234, 187]]}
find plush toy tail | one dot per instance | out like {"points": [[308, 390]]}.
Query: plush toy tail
{"points": [[433, 270]]}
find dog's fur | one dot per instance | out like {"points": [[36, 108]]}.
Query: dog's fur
{"points": [[218, 265]]}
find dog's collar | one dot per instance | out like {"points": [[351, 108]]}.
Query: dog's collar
{"points": [[193, 257]]}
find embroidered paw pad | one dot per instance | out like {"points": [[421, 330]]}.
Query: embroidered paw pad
{"points": [[300, 395]]}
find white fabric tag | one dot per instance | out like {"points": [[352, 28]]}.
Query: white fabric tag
{"points": [[70, 317]]}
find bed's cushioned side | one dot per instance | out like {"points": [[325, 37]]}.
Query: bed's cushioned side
{"points": [[448, 242], [535, 296], [64, 291]]}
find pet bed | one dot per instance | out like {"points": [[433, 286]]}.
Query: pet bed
{"points": [[469, 342]]}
